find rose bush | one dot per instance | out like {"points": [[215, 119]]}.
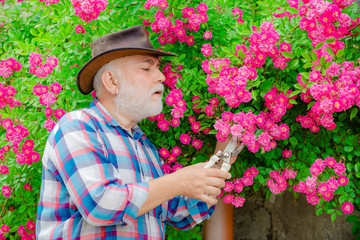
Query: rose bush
{"points": [[283, 77]]}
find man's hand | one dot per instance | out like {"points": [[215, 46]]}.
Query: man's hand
{"points": [[201, 183]]}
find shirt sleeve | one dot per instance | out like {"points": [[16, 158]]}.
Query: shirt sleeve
{"points": [[184, 213], [81, 160]]}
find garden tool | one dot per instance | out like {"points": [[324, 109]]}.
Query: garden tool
{"points": [[222, 158]]}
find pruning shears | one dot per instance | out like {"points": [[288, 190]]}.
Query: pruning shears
{"points": [[222, 158]]}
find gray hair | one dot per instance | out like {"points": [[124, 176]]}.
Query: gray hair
{"points": [[97, 84]]}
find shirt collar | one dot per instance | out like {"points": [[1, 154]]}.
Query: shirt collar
{"points": [[109, 119]]}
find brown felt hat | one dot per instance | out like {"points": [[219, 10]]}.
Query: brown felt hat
{"points": [[130, 41]]}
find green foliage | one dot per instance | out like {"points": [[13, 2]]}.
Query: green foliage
{"points": [[30, 26]]}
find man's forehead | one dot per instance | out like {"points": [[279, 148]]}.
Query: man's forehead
{"points": [[138, 59], [148, 58]]}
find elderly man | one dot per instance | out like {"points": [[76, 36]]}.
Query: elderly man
{"points": [[102, 177]]}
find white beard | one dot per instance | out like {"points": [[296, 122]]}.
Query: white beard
{"points": [[133, 102]]}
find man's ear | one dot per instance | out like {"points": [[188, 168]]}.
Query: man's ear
{"points": [[110, 81]]}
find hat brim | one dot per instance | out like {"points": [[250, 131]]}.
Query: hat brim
{"points": [[87, 73]]}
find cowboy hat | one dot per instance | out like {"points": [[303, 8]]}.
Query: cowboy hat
{"points": [[130, 41]]}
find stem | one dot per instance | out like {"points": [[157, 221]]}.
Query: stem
{"points": [[354, 27]]}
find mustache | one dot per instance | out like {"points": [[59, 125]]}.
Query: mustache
{"points": [[158, 88]]}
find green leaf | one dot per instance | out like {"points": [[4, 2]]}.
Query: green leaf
{"points": [[319, 211], [287, 54], [340, 53], [294, 93], [293, 141], [337, 138], [357, 153], [212, 68], [310, 104], [309, 64], [292, 10], [330, 211], [306, 56], [173, 21], [333, 217], [352, 218], [353, 113], [342, 116], [314, 56], [348, 148], [295, 63], [330, 40], [292, 101], [330, 51], [319, 45], [298, 86], [256, 186]]}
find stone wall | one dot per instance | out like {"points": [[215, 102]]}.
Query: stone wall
{"points": [[284, 217]]}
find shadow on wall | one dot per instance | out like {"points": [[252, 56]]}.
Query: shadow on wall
{"points": [[284, 217]]}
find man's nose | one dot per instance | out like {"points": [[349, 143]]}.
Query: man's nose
{"points": [[161, 76]]}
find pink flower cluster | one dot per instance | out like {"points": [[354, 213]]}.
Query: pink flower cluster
{"points": [[286, 153], [294, 4], [162, 123], [278, 103], [79, 29], [262, 45], [280, 178], [206, 49], [324, 20], [170, 33], [88, 10], [244, 125], [234, 188], [49, 122], [47, 98], [48, 2], [231, 82], [347, 207], [16, 134], [27, 155], [239, 12], [207, 35], [170, 165], [25, 234], [314, 188], [40, 69], [186, 140], [4, 229], [171, 76], [8, 67], [211, 108], [154, 3], [175, 100], [6, 191], [336, 91], [6, 97]]}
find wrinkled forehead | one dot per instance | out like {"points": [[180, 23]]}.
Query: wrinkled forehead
{"points": [[135, 59]]}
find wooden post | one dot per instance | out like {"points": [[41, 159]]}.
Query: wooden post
{"points": [[220, 226]]}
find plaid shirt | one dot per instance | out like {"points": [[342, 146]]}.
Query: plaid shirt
{"points": [[95, 179]]}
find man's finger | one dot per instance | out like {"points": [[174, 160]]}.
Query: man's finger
{"points": [[210, 200], [213, 172]]}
